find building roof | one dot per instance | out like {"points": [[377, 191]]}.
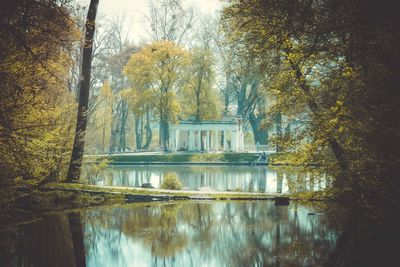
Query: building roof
{"points": [[223, 120]]}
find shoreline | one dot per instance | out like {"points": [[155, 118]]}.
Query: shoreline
{"points": [[147, 194], [214, 163], [65, 197]]}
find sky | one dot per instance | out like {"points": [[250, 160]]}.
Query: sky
{"points": [[136, 10]]}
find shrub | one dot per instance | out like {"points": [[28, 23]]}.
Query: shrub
{"points": [[96, 170], [171, 181]]}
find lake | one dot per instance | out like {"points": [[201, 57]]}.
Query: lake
{"points": [[232, 233], [220, 178]]}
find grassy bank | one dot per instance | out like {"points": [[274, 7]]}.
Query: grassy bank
{"points": [[284, 158], [129, 194], [287, 158], [33, 206], [161, 194]]}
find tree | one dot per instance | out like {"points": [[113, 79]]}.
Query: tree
{"points": [[198, 86], [103, 118], [337, 60], [159, 66], [241, 82], [35, 105], [114, 66], [299, 53], [169, 20], [141, 102], [81, 121]]}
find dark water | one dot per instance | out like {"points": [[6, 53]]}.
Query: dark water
{"points": [[222, 178], [174, 234]]}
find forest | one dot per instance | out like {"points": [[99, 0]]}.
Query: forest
{"points": [[74, 83]]}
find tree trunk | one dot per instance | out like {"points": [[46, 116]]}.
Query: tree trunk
{"points": [[74, 170], [165, 135], [260, 135], [198, 105], [161, 125], [149, 133], [226, 104], [138, 134], [116, 126], [122, 123], [333, 143], [161, 133], [241, 98]]}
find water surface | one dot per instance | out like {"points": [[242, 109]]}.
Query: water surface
{"points": [[247, 233], [222, 178]]}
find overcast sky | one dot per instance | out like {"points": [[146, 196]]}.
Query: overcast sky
{"points": [[136, 10]]}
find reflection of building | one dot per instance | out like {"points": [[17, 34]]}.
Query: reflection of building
{"points": [[192, 135]]}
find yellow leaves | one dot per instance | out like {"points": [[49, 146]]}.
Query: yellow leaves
{"points": [[102, 119], [174, 108], [287, 44], [38, 107], [106, 91], [333, 121], [139, 101], [158, 61], [348, 72], [153, 73]]}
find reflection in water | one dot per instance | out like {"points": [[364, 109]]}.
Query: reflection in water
{"points": [[207, 234], [55, 241], [174, 234], [223, 178]]}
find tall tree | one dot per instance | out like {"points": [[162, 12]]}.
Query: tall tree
{"points": [[115, 64], [199, 98], [35, 105], [337, 60], [116, 60], [169, 20], [81, 121], [103, 118], [159, 67], [141, 102]]}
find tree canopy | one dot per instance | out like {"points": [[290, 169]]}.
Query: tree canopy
{"points": [[35, 105], [334, 66], [159, 67]]}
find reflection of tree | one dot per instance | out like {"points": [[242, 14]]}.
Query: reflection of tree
{"points": [[155, 226], [75, 225], [279, 181], [300, 179], [167, 241], [229, 233], [54, 241], [249, 178]]}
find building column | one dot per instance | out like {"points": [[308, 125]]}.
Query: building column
{"points": [[234, 141], [225, 141], [199, 140], [191, 140], [241, 137], [216, 145], [176, 140], [207, 148], [171, 144]]}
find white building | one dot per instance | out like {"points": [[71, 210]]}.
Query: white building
{"points": [[192, 135]]}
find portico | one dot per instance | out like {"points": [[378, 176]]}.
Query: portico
{"points": [[191, 135]]}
